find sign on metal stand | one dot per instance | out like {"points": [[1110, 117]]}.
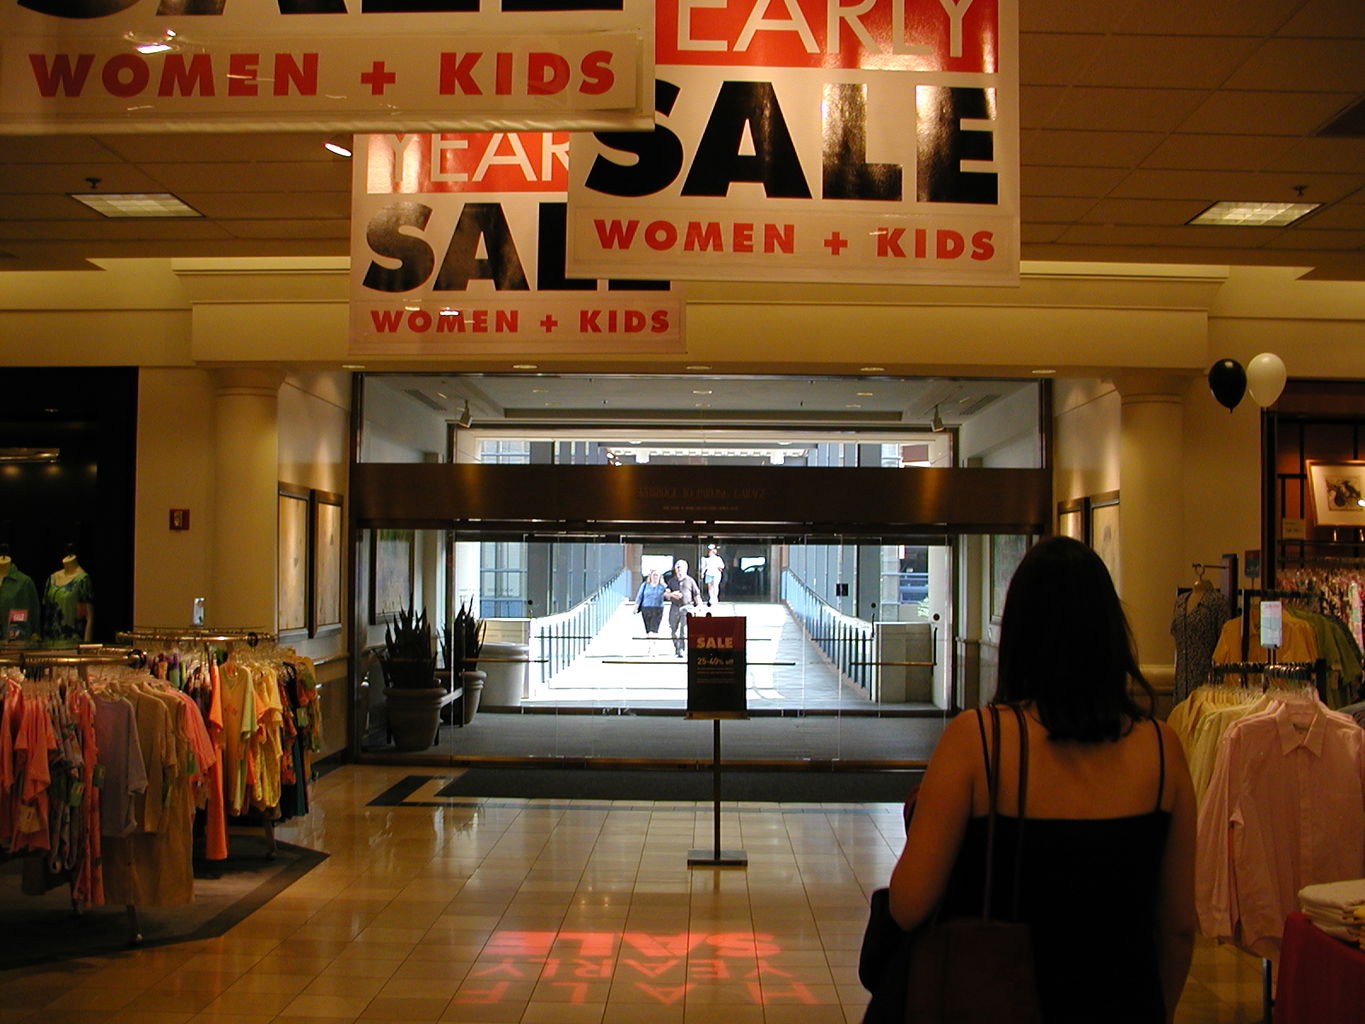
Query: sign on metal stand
{"points": [[716, 670]]}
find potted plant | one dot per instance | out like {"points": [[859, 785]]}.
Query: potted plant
{"points": [[412, 695], [462, 646]]}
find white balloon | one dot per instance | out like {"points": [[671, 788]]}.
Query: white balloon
{"points": [[1265, 378]]}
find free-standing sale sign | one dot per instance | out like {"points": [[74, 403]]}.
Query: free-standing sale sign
{"points": [[813, 140]]}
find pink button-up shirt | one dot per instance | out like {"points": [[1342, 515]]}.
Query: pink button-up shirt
{"points": [[1285, 808]]}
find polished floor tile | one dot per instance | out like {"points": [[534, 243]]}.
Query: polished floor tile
{"points": [[527, 912]]}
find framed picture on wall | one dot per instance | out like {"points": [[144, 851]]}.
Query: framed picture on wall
{"points": [[292, 565], [391, 572], [328, 529], [1073, 519], [1007, 551], [1338, 492], [1104, 531]]}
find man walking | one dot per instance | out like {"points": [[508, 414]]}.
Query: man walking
{"points": [[682, 593]]}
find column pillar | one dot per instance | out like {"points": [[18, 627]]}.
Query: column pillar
{"points": [[242, 592], [1151, 520]]}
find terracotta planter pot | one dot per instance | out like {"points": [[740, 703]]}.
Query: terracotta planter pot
{"points": [[415, 715], [472, 682]]}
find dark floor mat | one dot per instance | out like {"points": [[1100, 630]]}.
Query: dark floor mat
{"points": [[646, 785], [225, 893]]}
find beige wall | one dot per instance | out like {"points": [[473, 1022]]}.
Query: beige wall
{"points": [[174, 470], [1089, 323]]}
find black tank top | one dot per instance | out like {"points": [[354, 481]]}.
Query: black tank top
{"points": [[1088, 891]]}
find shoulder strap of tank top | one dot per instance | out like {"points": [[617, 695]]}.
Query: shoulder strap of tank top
{"points": [[1161, 756], [985, 746]]}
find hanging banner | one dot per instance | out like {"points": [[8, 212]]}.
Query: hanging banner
{"points": [[326, 65], [814, 140], [457, 247]]}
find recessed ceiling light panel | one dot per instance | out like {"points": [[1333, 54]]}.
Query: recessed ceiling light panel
{"points": [[1254, 215], [135, 204]]}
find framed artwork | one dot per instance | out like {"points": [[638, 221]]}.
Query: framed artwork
{"points": [[1338, 492], [328, 529], [1073, 519], [292, 578], [1104, 531], [391, 565], [1007, 551]]}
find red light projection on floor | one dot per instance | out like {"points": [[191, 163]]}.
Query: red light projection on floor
{"points": [[662, 967]]}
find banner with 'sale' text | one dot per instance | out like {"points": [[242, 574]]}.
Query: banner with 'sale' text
{"points": [[457, 247], [814, 140], [329, 65]]}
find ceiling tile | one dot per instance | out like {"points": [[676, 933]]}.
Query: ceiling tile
{"points": [[1166, 62], [1214, 185], [1227, 152], [1055, 59], [1074, 15], [1069, 181], [1262, 112], [339, 230], [1304, 65], [263, 177], [1143, 110], [1052, 148], [1208, 17], [1055, 209], [1324, 19], [229, 147], [62, 178], [1319, 154], [1143, 211], [253, 205]]}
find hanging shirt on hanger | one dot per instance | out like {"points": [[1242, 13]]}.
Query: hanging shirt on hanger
{"points": [[1282, 811], [1196, 624], [19, 606]]}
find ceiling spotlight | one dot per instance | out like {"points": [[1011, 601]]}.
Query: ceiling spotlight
{"points": [[465, 419], [340, 145], [936, 424]]}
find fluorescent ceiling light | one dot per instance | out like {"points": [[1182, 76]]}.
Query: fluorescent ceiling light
{"points": [[1254, 215], [135, 204]]}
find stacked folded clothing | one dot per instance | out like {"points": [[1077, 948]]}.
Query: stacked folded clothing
{"points": [[1338, 908], [1355, 926]]}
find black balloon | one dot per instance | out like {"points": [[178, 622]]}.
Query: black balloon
{"points": [[1228, 382]]}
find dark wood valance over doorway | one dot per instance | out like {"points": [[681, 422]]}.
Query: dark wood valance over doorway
{"points": [[741, 499]]}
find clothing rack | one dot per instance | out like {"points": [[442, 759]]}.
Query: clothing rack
{"points": [[250, 635], [1314, 672], [84, 655]]}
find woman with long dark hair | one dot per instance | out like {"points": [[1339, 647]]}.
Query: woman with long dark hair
{"points": [[1105, 844]]}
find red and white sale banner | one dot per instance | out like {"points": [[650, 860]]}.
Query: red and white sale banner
{"points": [[814, 140], [457, 247], [351, 65]]}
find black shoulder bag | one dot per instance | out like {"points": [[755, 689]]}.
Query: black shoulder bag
{"points": [[963, 970]]}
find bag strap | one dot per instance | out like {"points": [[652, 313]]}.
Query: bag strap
{"points": [[993, 789], [1023, 808]]}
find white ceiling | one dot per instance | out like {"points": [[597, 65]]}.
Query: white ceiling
{"points": [[1136, 114], [618, 406]]}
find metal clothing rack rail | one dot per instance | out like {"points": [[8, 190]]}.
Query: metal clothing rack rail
{"points": [[197, 634], [86, 654]]}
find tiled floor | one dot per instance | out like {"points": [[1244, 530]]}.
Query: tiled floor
{"points": [[544, 912]]}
